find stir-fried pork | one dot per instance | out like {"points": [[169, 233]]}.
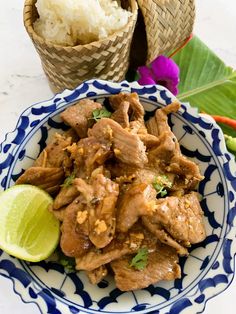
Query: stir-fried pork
{"points": [[100, 197], [122, 244], [93, 260], [48, 179], [66, 195], [59, 214], [78, 116], [177, 221], [149, 140], [96, 275], [88, 154], [157, 230], [54, 154], [138, 200], [136, 110], [124, 192], [167, 153], [162, 265], [127, 147], [187, 172], [121, 114], [75, 236], [181, 217]]}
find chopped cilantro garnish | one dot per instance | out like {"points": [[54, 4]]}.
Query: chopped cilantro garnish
{"points": [[101, 113], [160, 184], [160, 189], [68, 181], [67, 262], [139, 261]]}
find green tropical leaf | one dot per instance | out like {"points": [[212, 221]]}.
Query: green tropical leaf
{"points": [[206, 82]]}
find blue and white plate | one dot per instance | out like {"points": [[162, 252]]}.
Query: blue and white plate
{"points": [[206, 272]]}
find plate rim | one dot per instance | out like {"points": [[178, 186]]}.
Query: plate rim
{"points": [[68, 95]]}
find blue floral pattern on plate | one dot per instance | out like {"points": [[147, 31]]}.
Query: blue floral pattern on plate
{"points": [[206, 272]]}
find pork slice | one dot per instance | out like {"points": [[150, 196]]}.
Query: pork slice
{"points": [[137, 201], [119, 169], [182, 218], [116, 100], [96, 275], [65, 196], [96, 258], [137, 127], [54, 153], [59, 214], [149, 140], [136, 108], [152, 126], [88, 154], [164, 151], [48, 179], [74, 232], [122, 244], [187, 172], [159, 123], [127, 147], [157, 230], [167, 154], [72, 134], [136, 111], [146, 175], [161, 265], [121, 172], [168, 145], [78, 115], [138, 237], [161, 116], [101, 197], [121, 114], [85, 189], [93, 260], [102, 220]]}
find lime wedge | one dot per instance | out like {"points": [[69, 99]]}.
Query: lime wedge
{"points": [[28, 230]]}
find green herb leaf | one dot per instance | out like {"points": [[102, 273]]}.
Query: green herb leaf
{"points": [[68, 181], [67, 262], [163, 193], [100, 113], [139, 261], [160, 183]]}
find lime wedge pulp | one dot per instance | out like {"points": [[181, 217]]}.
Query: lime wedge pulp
{"points": [[28, 230]]}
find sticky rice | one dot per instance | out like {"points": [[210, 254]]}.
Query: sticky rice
{"points": [[74, 22]]}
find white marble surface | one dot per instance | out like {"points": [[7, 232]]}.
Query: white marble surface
{"points": [[23, 83]]}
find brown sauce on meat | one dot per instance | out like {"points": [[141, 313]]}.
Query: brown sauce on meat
{"points": [[121, 186]]}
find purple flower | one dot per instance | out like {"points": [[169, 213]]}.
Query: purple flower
{"points": [[162, 71]]}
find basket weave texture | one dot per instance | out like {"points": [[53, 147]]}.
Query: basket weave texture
{"points": [[66, 67], [168, 24]]}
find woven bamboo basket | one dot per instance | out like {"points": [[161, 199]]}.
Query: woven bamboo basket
{"points": [[168, 23], [66, 67]]}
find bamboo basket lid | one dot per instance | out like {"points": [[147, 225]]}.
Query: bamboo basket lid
{"points": [[168, 23]]}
